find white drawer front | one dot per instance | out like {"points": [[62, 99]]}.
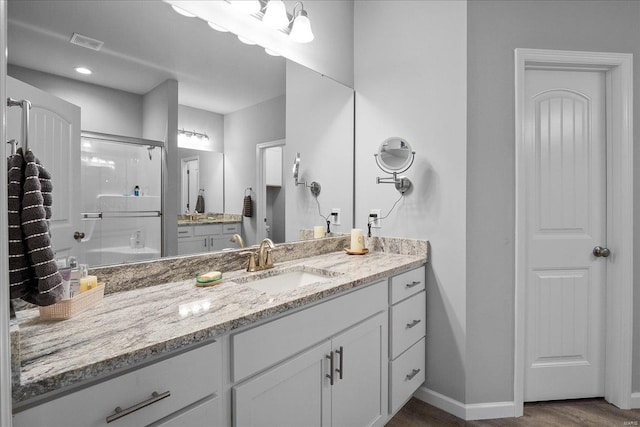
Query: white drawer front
{"points": [[406, 284], [205, 413], [406, 374], [188, 377], [408, 320], [207, 230], [185, 231], [230, 228], [265, 345]]}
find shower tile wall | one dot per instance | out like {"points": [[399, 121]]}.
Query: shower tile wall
{"points": [[110, 172]]}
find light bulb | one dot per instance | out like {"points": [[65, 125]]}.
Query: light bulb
{"points": [[276, 15], [183, 12], [247, 6], [217, 27], [301, 29], [246, 40]]}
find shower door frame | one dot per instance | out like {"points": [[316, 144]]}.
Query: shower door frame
{"points": [[107, 137]]}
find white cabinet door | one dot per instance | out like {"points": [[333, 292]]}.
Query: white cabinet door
{"points": [[193, 245], [295, 393], [360, 374], [54, 137]]}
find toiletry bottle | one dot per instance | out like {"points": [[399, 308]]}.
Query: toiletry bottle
{"points": [[74, 285], [87, 282], [136, 190]]}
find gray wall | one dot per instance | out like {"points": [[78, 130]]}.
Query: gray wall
{"points": [[495, 29], [103, 109], [410, 81], [244, 129]]}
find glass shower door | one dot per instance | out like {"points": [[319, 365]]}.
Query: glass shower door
{"points": [[121, 199]]}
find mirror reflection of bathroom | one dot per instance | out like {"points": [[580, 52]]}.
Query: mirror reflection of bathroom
{"points": [[121, 199], [275, 208], [190, 173]]}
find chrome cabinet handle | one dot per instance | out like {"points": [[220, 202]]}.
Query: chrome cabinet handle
{"points": [[601, 252], [412, 284], [119, 412], [330, 375], [414, 323], [341, 353], [412, 374]]}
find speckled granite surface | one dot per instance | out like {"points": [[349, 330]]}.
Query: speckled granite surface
{"points": [[14, 333], [216, 218], [131, 327]]}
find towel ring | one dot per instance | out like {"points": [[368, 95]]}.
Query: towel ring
{"points": [[249, 189]]}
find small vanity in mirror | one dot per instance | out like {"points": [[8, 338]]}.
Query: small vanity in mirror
{"points": [[394, 157]]}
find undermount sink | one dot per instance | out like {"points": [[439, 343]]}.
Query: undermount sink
{"points": [[277, 281]]}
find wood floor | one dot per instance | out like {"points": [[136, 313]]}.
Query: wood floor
{"points": [[583, 412]]}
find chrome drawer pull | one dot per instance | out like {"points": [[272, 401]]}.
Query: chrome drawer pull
{"points": [[119, 412], [414, 323], [412, 284], [341, 353], [330, 376], [412, 374]]}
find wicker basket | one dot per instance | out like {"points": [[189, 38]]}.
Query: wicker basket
{"points": [[68, 308]]}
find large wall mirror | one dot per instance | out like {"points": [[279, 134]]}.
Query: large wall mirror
{"points": [[231, 100]]}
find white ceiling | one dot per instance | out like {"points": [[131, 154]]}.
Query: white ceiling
{"points": [[145, 43]]}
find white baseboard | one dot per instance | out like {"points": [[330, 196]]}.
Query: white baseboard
{"points": [[441, 401], [635, 400], [468, 412]]}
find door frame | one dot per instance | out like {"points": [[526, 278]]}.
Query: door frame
{"points": [[261, 185], [183, 185], [618, 68]]}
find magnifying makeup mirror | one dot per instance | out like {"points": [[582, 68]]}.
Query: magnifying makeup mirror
{"points": [[314, 186], [394, 157]]}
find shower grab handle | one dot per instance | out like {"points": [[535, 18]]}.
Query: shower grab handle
{"points": [[120, 214]]}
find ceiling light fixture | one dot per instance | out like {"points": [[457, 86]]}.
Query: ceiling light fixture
{"points": [[301, 26], [217, 27], [246, 41], [83, 70], [183, 12], [275, 15], [247, 6]]}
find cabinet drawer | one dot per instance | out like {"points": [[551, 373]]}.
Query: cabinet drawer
{"points": [[207, 230], [407, 323], [406, 284], [185, 231], [264, 346], [230, 228], [205, 413], [406, 374], [188, 377]]}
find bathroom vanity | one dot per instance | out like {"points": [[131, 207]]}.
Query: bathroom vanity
{"points": [[346, 348]]}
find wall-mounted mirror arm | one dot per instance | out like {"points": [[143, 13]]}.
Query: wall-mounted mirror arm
{"points": [[314, 186], [402, 183]]}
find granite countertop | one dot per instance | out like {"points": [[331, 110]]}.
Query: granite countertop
{"points": [[134, 326], [183, 222]]}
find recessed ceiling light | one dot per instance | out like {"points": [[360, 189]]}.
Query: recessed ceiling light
{"points": [[83, 70], [183, 12], [217, 27]]}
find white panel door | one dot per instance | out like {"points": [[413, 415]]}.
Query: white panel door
{"points": [[54, 138], [566, 219]]}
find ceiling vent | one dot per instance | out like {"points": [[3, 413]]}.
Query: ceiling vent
{"points": [[85, 41]]}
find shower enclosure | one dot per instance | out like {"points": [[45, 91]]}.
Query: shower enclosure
{"points": [[121, 199]]}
